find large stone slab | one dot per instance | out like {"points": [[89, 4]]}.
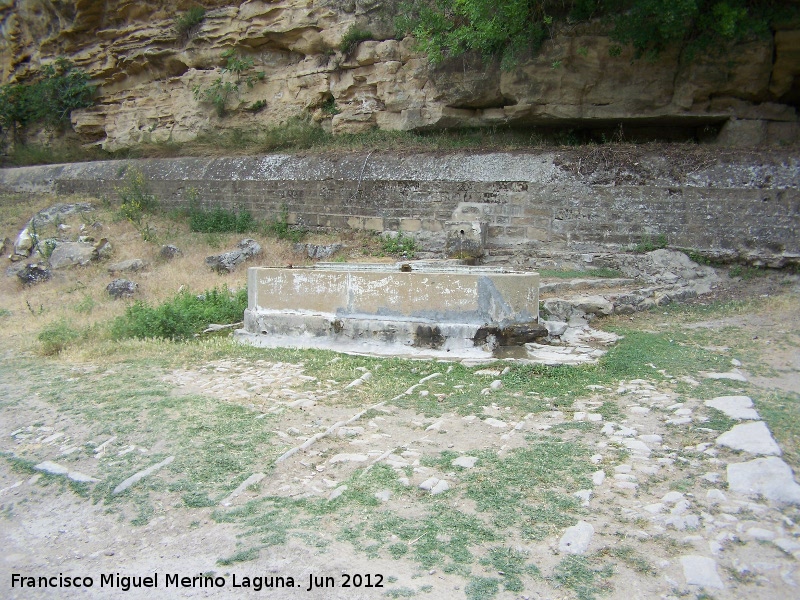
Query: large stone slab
{"points": [[754, 438], [734, 407], [702, 571], [768, 477], [447, 311]]}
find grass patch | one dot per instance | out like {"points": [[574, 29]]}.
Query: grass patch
{"points": [[182, 317], [221, 220], [57, 337], [240, 556], [579, 575]]}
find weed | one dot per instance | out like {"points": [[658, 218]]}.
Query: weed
{"points": [[577, 574], [182, 317], [280, 227], [186, 23], [400, 244], [221, 220], [746, 273], [353, 37], [135, 196], [56, 337], [86, 305], [241, 556], [482, 588], [647, 244], [329, 107], [226, 86]]}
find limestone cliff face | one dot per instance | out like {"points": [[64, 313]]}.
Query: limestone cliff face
{"points": [[146, 72]]}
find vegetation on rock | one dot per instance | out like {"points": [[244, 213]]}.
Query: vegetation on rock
{"points": [[46, 98], [508, 29], [225, 87]]}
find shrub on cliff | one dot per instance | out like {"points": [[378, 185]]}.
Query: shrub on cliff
{"points": [[507, 29], [46, 98]]}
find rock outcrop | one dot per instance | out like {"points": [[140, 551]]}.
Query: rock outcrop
{"points": [[147, 71]]}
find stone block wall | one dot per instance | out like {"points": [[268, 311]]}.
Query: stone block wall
{"points": [[747, 209]]}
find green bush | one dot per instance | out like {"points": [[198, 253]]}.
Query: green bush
{"points": [[352, 37], [507, 29], [56, 337], [47, 97], [400, 244], [185, 23], [221, 220], [228, 84], [135, 196], [182, 317], [281, 229]]}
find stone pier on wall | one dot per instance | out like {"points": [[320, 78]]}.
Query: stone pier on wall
{"points": [[746, 209]]}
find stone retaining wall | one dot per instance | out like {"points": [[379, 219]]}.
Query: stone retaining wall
{"points": [[525, 202]]}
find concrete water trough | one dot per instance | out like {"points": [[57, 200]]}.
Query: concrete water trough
{"points": [[402, 309]]}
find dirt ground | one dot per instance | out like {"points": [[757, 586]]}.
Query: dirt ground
{"points": [[50, 527]]}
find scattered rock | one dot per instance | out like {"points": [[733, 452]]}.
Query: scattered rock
{"points": [[754, 438], [348, 458], [68, 254], [317, 251], [121, 288], [465, 462], [227, 262], [104, 249], [576, 539], [337, 492], [168, 252], [734, 407], [133, 265], [441, 487], [252, 480], [34, 273], [769, 477], [429, 484], [734, 375], [702, 571], [384, 495], [136, 478]]}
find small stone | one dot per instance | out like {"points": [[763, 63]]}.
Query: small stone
{"points": [[651, 438], [337, 492], [576, 539], [133, 265], [734, 407], [598, 477], [429, 484], [787, 545], [348, 458], [496, 423], [734, 375], [584, 496], [121, 288], [702, 571], [715, 496], [383, 495], [34, 273], [759, 533], [496, 384], [441, 487], [133, 479], [623, 469], [168, 252], [672, 497], [465, 462]]}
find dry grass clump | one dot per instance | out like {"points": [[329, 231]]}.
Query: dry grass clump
{"points": [[76, 297]]}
